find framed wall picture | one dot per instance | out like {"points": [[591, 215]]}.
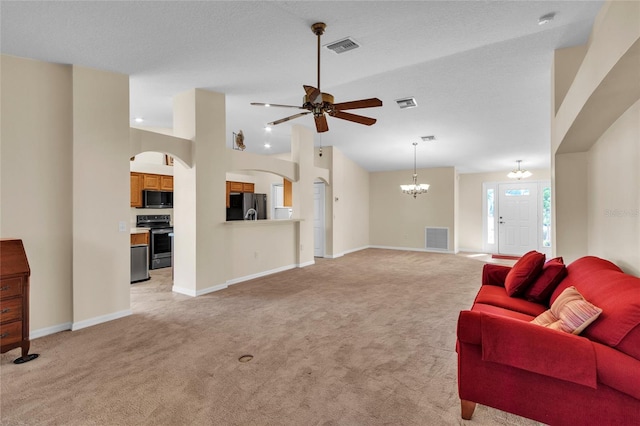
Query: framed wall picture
{"points": [[168, 160]]}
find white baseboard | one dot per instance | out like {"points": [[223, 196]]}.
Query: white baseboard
{"points": [[334, 256], [193, 293], [262, 274], [414, 249], [41, 332], [309, 263], [99, 320]]}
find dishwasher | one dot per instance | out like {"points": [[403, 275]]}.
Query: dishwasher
{"points": [[139, 263]]}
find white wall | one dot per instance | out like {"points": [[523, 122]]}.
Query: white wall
{"points": [[36, 146]]}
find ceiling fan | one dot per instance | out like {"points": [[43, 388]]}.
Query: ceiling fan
{"points": [[321, 104]]}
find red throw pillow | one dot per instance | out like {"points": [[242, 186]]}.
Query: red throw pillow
{"points": [[524, 272], [553, 271]]}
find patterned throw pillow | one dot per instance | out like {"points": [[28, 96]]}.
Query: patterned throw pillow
{"points": [[569, 313]]}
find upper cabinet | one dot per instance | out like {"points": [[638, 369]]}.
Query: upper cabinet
{"points": [[136, 189], [140, 181], [287, 194], [238, 187]]}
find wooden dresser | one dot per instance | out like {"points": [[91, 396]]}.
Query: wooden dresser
{"points": [[14, 299]]}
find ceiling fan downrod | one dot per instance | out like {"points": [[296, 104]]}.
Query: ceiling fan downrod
{"points": [[318, 29]]}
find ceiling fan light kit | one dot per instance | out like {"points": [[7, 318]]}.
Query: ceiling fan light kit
{"points": [[321, 104]]}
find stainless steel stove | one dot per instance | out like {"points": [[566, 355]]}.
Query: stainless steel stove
{"points": [[160, 246]]}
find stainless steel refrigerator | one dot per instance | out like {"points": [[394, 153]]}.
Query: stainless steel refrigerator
{"points": [[240, 205]]}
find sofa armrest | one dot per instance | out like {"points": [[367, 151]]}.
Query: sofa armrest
{"points": [[494, 274], [540, 350]]}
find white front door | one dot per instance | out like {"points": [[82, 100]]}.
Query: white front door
{"points": [[318, 219], [518, 218]]}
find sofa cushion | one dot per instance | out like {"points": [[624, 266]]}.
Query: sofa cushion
{"points": [[616, 293], [553, 271], [569, 313], [500, 312], [497, 296], [524, 272], [548, 352]]}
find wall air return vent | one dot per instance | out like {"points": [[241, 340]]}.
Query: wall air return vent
{"points": [[436, 238], [343, 45], [407, 103]]}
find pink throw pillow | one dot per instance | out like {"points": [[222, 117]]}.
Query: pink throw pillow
{"points": [[524, 272], [553, 271], [569, 313]]}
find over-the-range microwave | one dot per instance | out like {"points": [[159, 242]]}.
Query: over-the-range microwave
{"points": [[157, 199]]}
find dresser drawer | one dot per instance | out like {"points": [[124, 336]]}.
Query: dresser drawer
{"points": [[10, 309], [10, 287], [10, 333]]}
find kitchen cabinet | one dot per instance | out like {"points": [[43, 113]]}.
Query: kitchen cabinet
{"points": [[141, 238], [151, 182], [287, 196], [140, 181], [238, 187], [14, 299], [136, 189], [166, 183]]}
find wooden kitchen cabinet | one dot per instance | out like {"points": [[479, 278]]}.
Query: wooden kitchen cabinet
{"points": [[14, 299], [151, 182], [238, 187], [136, 189], [287, 196], [142, 238], [166, 183]]}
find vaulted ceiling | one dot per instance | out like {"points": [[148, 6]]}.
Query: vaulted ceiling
{"points": [[479, 70]]}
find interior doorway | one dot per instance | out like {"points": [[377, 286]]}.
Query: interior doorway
{"points": [[517, 217]]}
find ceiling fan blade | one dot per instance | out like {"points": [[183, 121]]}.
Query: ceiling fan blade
{"points": [[362, 103], [321, 123], [276, 105], [353, 117], [291, 117], [313, 94]]}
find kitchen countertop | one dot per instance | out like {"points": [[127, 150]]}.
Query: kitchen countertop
{"points": [[139, 230]]}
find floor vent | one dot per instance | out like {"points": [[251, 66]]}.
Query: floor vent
{"points": [[343, 45], [436, 238]]}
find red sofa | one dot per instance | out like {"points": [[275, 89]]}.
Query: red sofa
{"points": [[558, 378]]}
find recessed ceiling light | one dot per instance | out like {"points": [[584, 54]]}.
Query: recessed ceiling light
{"points": [[267, 105], [267, 145], [267, 128], [544, 19], [138, 119]]}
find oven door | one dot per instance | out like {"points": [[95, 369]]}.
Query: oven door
{"points": [[160, 256]]}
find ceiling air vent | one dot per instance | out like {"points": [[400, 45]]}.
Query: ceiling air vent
{"points": [[407, 103], [428, 138], [343, 45]]}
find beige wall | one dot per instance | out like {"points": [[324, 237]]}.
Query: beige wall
{"points": [[595, 140], [101, 196], [36, 181], [470, 204], [398, 220], [614, 186]]}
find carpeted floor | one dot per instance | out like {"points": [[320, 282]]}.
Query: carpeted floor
{"points": [[365, 339]]}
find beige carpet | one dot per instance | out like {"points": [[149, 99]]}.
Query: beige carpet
{"points": [[365, 339]]}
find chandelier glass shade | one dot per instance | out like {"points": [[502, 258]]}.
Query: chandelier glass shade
{"points": [[519, 173], [415, 188]]}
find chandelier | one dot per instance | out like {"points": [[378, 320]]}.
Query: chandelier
{"points": [[519, 173], [415, 188]]}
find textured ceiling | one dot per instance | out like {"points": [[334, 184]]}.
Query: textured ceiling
{"points": [[479, 70]]}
